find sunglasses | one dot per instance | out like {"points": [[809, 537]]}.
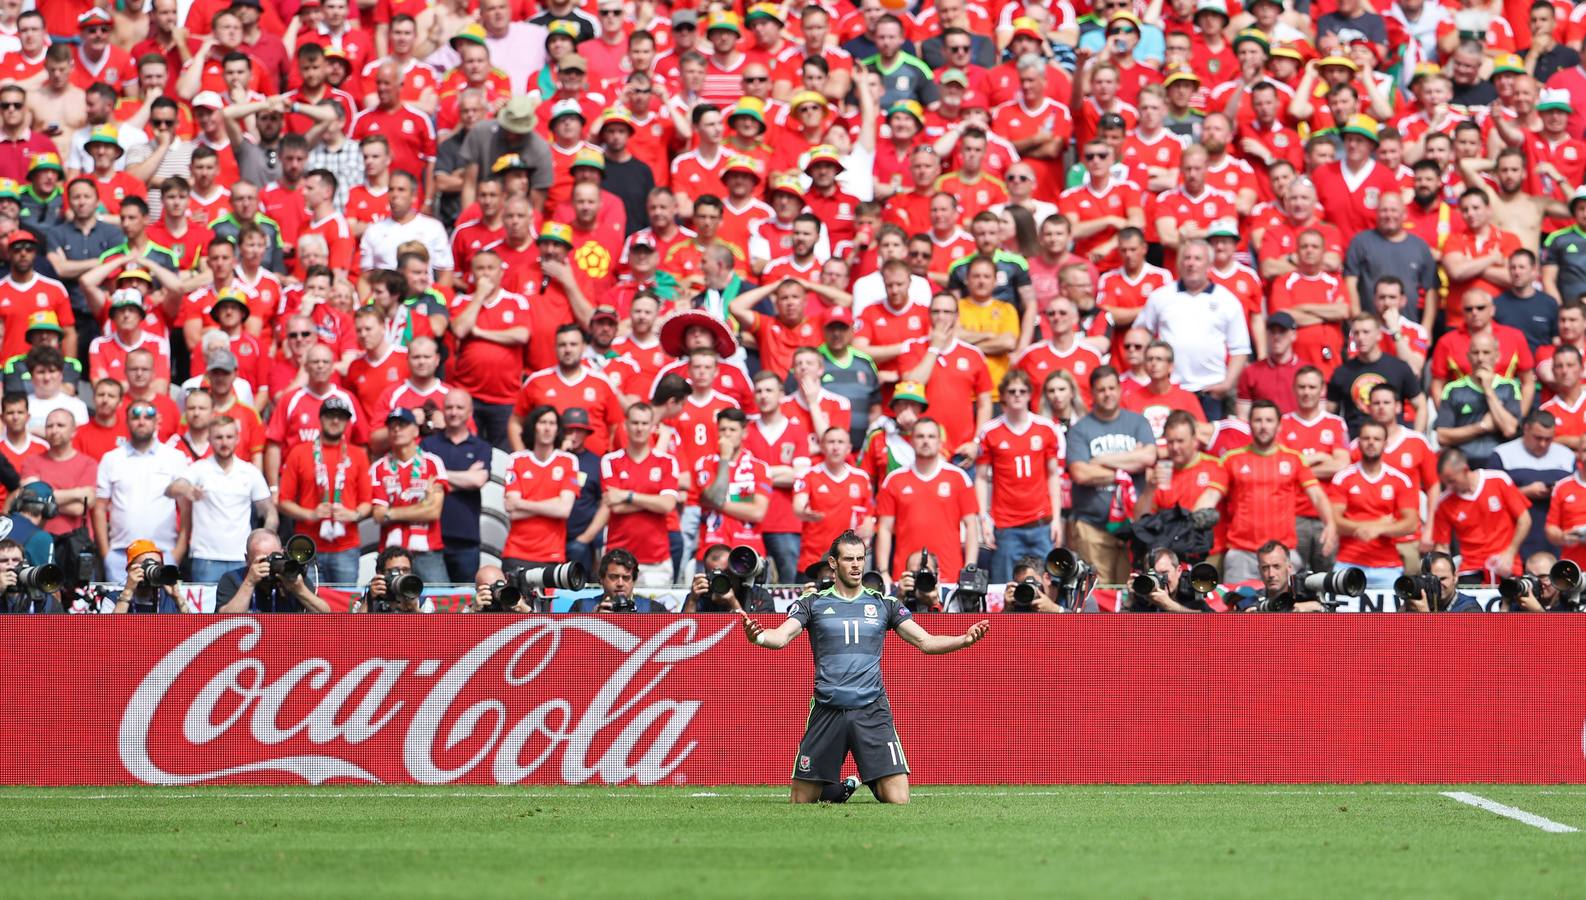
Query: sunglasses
{"points": [[755, 79], [611, 12], [299, 334], [1020, 178], [1477, 307], [11, 104], [1134, 346], [1125, 29], [142, 412], [958, 48], [1015, 392], [96, 29], [157, 123], [1098, 155]]}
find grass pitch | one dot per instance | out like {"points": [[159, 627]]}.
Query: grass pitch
{"points": [[462, 842]]}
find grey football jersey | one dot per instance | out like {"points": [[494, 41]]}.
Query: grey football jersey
{"points": [[846, 637]]}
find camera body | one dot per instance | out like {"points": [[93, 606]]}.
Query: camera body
{"points": [[1024, 595], [973, 581], [1424, 586], [1072, 578], [292, 561], [400, 590], [155, 574], [529, 581], [621, 603]]}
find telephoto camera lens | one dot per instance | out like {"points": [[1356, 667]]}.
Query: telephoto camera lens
{"points": [[1513, 589], [159, 575], [1024, 594], [1147, 583], [46, 578], [407, 586], [872, 581], [1350, 582], [720, 582]]}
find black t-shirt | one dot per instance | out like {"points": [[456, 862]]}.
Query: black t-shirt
{"points": [[1353, 380]]}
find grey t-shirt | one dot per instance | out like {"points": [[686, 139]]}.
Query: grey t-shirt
{"points": [[1371, 256], [488, 141], [1091, 437]]}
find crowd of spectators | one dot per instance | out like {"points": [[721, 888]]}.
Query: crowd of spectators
{"points": [[973, 280]]}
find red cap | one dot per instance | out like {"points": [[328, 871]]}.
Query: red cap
{"points": [[94, 16], [23, 236], [840, 316]]}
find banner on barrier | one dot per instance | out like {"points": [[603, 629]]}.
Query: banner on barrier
{"points": [[686, 700]]}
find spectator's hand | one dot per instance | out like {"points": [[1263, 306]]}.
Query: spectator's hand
{"points": [[343, 514], [324, 510], [485, 285], [8, 579], [700, 585], [377, 586], [604, 605], [1366, 531], [1329, 540], [809, 515], [134, 579], [966, 450]]}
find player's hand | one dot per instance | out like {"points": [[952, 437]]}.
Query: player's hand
{"points": [[977, 631], [751, 628]]}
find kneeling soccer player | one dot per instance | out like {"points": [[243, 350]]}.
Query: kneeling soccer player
{"points": [[849, 714]]}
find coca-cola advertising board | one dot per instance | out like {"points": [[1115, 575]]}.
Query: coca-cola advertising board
{"points": [[667, 699]]}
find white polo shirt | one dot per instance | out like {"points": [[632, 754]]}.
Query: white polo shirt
{"points": [[1204, 328], [378, 248], [135, 482], [222, 517]]}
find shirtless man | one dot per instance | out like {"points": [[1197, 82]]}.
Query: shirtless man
{"points": [[59, 108], [1513, 209]]}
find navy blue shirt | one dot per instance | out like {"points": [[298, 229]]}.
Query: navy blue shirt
{"points": [[460, 512], [1523, 469], [1535, 316], [587, 503], [640, 604], [266, 597], [78, 246]]}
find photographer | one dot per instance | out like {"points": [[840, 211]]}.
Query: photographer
{"points": [[1171, 590], [486, 581], [1277, 579], [15, 599], [381, 597], [702, 598], [138, 595], [618, 568], [30, 507], [1030, 570], [1545, 599], [920, 594], [1447, 598], [254, 587]]}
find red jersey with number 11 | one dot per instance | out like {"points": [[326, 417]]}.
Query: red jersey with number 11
{"points": [[1018, 458]]}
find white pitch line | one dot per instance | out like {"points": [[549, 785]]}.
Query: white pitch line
{"points": [[1510, 812]]}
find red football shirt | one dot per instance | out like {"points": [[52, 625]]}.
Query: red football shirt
{"points": [[1389, 495], [491, 372], [1264, 493], [539, 538], [1323, 434], [696, 433], [589, 391], [954, 387], [1157, 407], [778, 341], [783, 446], [18, 301], [844, 500], [395, 484], [1322, 344], [342, 472], [1483, 521], [1567, 510], [644, 534], [749, 477], [1020, 491], [370, 380], [1039, 361], [927, 512]]}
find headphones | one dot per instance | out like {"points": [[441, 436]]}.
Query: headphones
{"points": [[47, 506]]}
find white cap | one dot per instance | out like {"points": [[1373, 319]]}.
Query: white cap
{"points": [[209, 99]]}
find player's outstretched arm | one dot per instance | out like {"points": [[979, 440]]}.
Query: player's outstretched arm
{"points": [[775, 638], [912, 632]]}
